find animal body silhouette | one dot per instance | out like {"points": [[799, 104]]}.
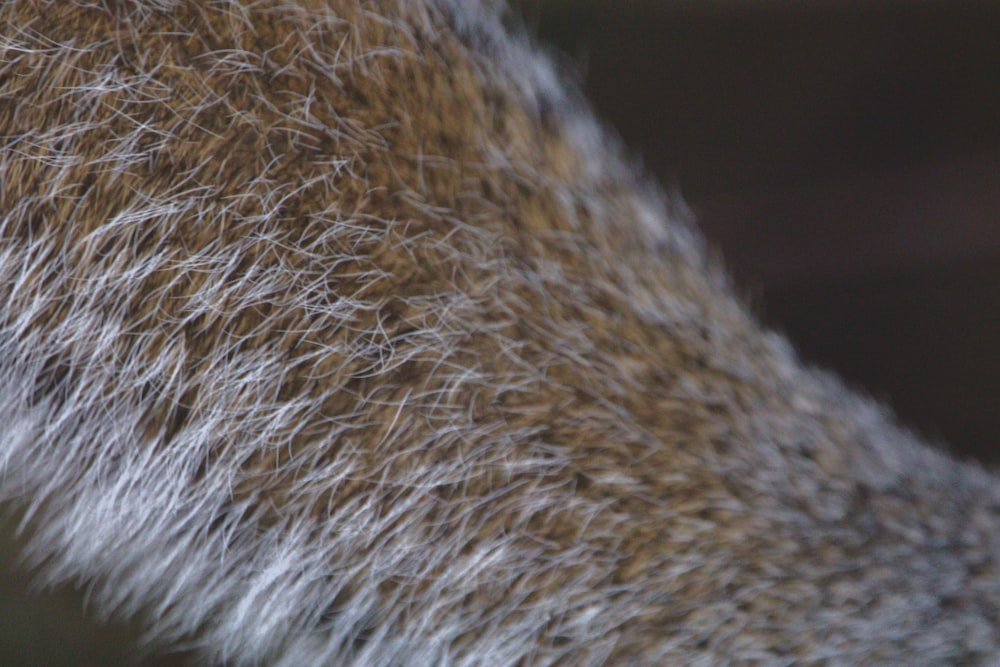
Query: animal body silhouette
{"points": [[337, 332]]}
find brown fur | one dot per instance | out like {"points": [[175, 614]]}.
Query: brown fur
{"points": [[521, 359]]}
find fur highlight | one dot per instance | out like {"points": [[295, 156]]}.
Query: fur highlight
{"points": [[338, 332]]}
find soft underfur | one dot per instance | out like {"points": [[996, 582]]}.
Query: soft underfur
{"points": [[337, 332]]}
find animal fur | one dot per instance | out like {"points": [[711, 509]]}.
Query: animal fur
{"points": [[337, 332]]}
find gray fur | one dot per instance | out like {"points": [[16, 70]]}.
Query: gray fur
{"points": [[231, 436]]}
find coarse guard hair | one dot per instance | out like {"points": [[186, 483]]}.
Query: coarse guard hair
{"points": [[337, 332]]}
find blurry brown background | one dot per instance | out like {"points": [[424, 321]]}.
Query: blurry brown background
{"points": [[845, 158]]}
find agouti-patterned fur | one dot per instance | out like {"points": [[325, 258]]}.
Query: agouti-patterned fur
{"points": [[337, 332]]}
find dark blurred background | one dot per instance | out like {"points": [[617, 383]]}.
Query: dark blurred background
{"points": [[843, 155], [845, 158]]}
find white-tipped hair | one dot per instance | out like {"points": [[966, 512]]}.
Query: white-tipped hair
{"points": [[338, 332]]}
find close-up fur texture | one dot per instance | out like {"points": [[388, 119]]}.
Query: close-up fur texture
{"points": [[338, 332]]}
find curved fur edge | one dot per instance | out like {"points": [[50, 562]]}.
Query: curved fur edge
{"points": [[267, 602]]}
